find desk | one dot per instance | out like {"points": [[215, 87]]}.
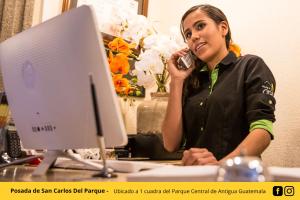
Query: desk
{"points": [[24, 173]]}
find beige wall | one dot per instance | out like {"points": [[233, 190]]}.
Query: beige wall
{"points": [[51, 8], [270, 29]]}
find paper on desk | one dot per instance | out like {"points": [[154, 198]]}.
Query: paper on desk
{"points": [[114, 165], [177, 173], [285, 173]]}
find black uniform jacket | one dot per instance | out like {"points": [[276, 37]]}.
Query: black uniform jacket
{"points": [[219, 118]]}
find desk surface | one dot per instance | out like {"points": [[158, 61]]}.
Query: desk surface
{"points": [[23, 173]]}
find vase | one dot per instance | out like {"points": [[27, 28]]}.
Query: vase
{"points": [[151, 113], [161, 88], [128, 110]]}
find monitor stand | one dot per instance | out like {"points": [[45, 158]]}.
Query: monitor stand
{"points": [[49, 159], [51, 155]]}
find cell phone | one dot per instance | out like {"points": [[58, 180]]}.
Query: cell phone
{"points": [[186, 61]]}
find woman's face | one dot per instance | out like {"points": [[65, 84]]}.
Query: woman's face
{"points": [[204, 37]]}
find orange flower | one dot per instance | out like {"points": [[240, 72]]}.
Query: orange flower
{"points": [[118, 63], [118, 56], [121, 84], [235, 49], [120, 45]]}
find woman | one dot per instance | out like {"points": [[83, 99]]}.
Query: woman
{"points": [[224, 104]]}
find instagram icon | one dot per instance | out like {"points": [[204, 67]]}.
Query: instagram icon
{"points": [[289, 191]]}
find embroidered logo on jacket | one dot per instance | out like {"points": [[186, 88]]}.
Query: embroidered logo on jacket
{"points": [[268, 88]]}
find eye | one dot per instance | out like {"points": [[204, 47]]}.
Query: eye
{"points": [[200, 25], [188, 35]]}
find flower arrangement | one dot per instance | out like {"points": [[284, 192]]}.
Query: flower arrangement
{"points": [[235, 49], [150, 64], [119, 54], [119, 18]]}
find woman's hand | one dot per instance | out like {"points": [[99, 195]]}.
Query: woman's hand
{"points": [[198, 156], [175, 73]]}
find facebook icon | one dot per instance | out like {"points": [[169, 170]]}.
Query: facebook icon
{"points": [[277, 191]]}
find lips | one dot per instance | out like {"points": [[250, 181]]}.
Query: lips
{"points": [[199, 46]]}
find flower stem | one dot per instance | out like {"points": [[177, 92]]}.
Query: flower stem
{"points": [[161, 88]]}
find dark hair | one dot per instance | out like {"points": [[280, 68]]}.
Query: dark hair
{"points": [[212, 12]]}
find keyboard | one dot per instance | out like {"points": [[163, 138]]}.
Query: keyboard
{"points": [[113, 165]]}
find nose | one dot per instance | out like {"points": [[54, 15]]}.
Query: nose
{"points": [[195, 36]]}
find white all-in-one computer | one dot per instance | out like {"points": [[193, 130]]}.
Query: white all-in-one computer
{"points": [[59, 86]]}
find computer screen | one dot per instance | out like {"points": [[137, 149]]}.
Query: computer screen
{"points": [[46, 72]]}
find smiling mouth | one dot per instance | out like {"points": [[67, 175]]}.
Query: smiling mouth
{"points": [[199, 46]]}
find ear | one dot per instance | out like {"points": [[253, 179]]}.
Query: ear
{"points": [[223, 26]]}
